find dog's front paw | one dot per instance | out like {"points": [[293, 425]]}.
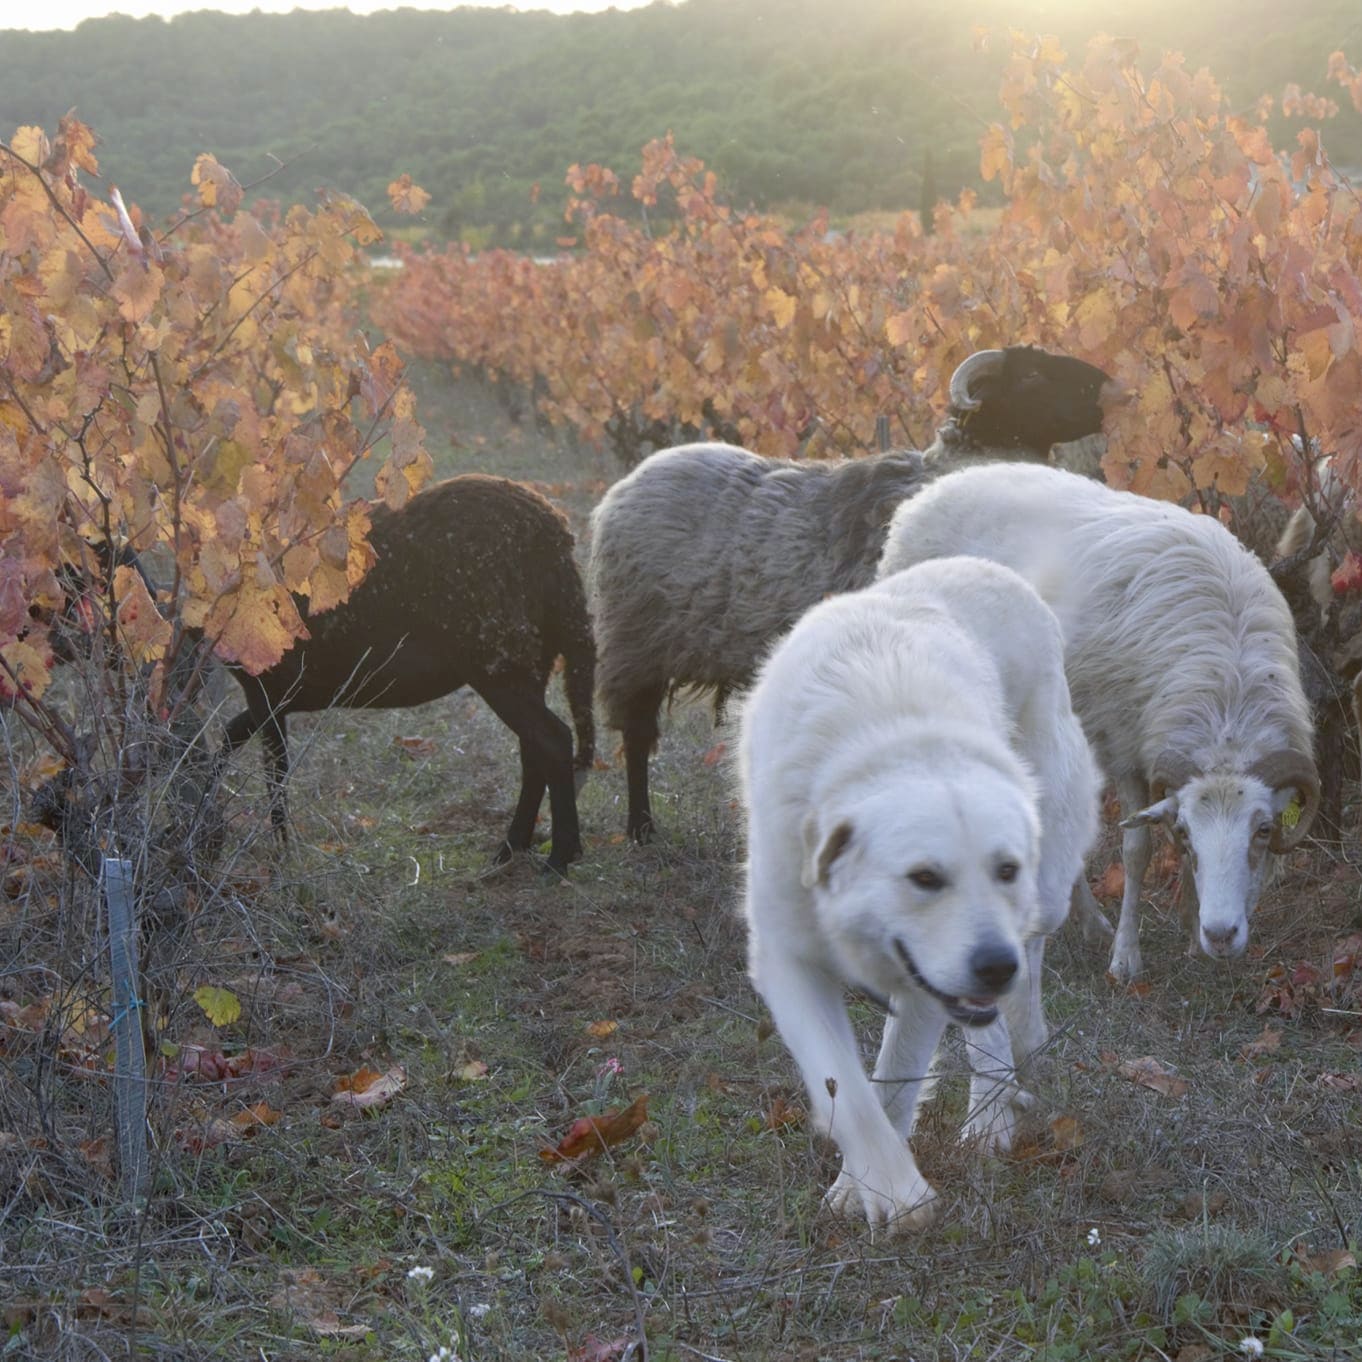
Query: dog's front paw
{"points": [[897, 1206]]}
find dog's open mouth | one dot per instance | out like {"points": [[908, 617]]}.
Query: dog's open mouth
{"points": [[967, 1011]]}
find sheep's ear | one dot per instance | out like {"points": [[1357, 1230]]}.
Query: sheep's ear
{"points": [[1165, 811], [819, 856]]}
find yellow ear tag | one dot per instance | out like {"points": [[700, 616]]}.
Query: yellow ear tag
{"points": [[1291, 815]]}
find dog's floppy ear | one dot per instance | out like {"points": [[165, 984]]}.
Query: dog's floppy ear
{"points": [[818, 857]]}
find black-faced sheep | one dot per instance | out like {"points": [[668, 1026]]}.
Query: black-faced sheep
{"points": [[474, 585], [1181, 658], [706, 553]]}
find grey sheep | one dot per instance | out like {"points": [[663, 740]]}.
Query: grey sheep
{"points": [[706, 553]]}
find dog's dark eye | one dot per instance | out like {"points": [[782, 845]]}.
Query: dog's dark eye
{"points": [[1264, 832], [927, 879], [1008, 871]]}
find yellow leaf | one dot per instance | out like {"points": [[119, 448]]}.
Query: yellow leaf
{"points": [[32, 144], [143, 630], [782, 306], [602, 1029], [137, 286], [407, 197], [1096, 318], [254, 626], [900, 328], [220, 1005], [24, 661], [1315, 346], [995, 152]]}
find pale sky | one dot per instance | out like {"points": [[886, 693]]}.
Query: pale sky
{"points": [[68, 13]]}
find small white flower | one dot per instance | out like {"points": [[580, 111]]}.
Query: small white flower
{"points": [[1251, 1347], [480, 1311], [444, 1355], [1094, 1237], [420, 1274]]}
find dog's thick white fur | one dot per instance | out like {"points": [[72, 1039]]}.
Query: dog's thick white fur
{"points": [[920, 800]]}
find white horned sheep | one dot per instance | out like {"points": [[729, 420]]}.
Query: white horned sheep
{"points": [[1181, 659], [706, 553], [920, 799], [475, 585]]}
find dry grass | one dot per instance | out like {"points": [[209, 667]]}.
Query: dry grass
{"points": [[379, 941]]}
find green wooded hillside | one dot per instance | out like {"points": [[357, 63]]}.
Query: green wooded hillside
{"points": [[803, 101]]}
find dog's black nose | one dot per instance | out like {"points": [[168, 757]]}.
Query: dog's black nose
{"points": [[994, 965]]}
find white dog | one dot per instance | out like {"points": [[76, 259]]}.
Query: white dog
{"points": [[920, 801]]}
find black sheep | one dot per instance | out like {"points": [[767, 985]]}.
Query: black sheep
{"points": [[475, 585]]}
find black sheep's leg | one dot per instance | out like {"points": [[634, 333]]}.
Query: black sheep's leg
{"points": [[275, 736], [520, 835], [639, 728], [241, 728], [545, 761]]}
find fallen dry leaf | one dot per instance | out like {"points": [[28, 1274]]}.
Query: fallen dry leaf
{"points": [[1329, 1263], [589, 1135], [1112, 883], [212, 1133], [1203, 1205], [782, 1113], [1342, 1082], [1148, 1072], [1066, 1133], [601, 1029], [316, 1302], [369, 1088], [415, 747], [260, 1114], [594, 1349], [459, 957], [96, 1154], [472, 1071], [1266, 1044], [1196, 1352]]}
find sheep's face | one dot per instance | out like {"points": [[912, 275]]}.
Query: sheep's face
{"points": [[1223, 825], [928, 883]]}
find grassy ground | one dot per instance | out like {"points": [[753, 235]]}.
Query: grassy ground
{"points": [[1131, 1222]]}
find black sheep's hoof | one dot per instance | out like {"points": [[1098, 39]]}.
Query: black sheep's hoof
{"points": [[500, 865], [642, 832]]}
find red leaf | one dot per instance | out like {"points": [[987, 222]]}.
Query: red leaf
{"points": [[589, 1135]]}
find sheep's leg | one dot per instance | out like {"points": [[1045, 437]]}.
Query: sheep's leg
{"points": [[545, 761], [259, 717], [1092, 921], [275, 737], [1126, 963], [639, 729]]}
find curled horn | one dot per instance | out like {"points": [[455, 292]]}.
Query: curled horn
{"points": [[981, 364], [1283, 770], [1171, 771]]}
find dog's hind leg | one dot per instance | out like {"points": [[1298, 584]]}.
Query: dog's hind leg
{"points": [[994, 1095], [1001, 1051], [903, 1071]]}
